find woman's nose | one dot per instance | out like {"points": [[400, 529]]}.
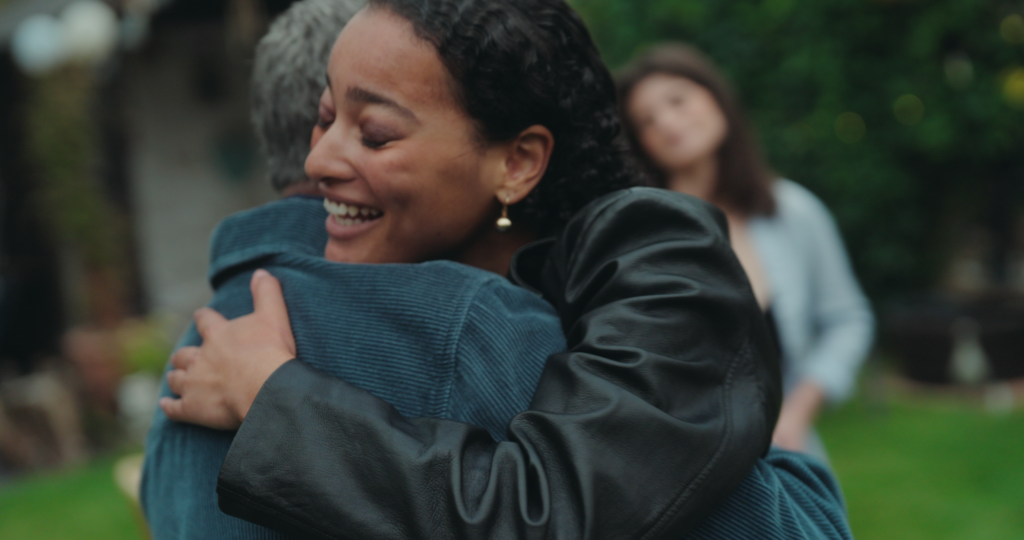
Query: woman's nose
{"points": [[328, 162], [663, 122]]}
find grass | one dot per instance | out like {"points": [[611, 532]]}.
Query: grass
{"points": [[929, 468], [82, 504], [919, 468]]}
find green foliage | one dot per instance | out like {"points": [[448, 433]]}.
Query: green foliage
{"points": [[145, 345], [903, 116], [63, 146]]}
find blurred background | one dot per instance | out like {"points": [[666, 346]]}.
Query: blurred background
{"points": [[125, 138]]}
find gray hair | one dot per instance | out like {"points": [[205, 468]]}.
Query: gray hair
{"points": [[288, 79]]}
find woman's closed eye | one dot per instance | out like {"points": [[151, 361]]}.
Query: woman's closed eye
{"points": [[373, 144], [375, 136]]}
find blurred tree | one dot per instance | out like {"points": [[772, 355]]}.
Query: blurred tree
{"points": [[62, 141], [31, 306], [905, 116]]}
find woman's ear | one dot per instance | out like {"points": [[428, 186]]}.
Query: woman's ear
{"points": [[526, 161]]}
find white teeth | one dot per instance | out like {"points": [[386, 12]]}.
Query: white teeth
{"points": [[349, 214]]}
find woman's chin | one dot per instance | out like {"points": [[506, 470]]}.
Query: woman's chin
{"points": [[361, 251], [345, 252], [684, 159], [349, 242]]}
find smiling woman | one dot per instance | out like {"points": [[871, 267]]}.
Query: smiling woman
{"points": [[392, 137], [398, 136]]}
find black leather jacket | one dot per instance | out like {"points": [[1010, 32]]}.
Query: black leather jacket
{"points": [[667, 395]]}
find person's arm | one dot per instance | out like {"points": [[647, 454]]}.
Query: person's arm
{"points": [[788, 496], [841, 312], [799, 412], [665, 399], [843, 326], [502, 347]]}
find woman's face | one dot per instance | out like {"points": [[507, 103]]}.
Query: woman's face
{"points": [[678, 122], [397, 159]]}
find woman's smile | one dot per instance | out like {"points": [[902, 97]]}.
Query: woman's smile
{"points": [[349, 220]]}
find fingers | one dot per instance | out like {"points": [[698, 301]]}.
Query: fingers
{"points": [[184, 357], [181, 360], [176, 381], [207, 320], [173, 408], [267, 298], [199, 413]]}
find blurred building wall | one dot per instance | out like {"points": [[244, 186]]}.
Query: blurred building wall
{"points": [[192, 157]]}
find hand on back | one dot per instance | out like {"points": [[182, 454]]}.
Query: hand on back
{"points": [[218, 381]]}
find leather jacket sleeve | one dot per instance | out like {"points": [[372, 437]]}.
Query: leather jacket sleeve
{"points": [[666, 398]]}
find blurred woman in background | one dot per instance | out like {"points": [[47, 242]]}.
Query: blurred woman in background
{"points": [[687, 130]]}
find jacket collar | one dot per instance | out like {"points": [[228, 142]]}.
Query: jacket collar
{"points": [[293, 225], [296, 225]]}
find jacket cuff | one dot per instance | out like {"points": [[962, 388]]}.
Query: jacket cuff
{"points": [[239, 486]]}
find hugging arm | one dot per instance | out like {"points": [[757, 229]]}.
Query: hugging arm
{"points": [[665, 399]]}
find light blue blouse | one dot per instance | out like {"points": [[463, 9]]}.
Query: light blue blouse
{"points": [[824, 321]]}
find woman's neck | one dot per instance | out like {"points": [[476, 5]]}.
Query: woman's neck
{"points": [[492, 250], [697, 179]]}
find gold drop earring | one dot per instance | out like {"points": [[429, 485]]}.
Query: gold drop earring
{"points": [[504, 223]]}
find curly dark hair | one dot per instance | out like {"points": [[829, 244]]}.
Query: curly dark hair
{"points": [[518, 63]]}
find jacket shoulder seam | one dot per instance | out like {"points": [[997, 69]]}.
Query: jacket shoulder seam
{"points": [[454, 342]]}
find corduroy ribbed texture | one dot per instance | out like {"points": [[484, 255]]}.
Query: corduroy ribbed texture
{"points": [[435, 339], [788, 496]]}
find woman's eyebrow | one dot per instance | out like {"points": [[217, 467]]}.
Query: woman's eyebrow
{"points": [[363, 95]]}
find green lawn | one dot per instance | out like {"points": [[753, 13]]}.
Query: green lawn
{"points": [[917, 469], [929, 469], [82, 504]]}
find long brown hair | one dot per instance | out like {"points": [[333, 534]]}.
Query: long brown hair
{"points": [[744, 179]]}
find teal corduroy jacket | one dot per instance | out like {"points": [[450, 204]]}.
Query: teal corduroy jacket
{"points": [[436, 339]]}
